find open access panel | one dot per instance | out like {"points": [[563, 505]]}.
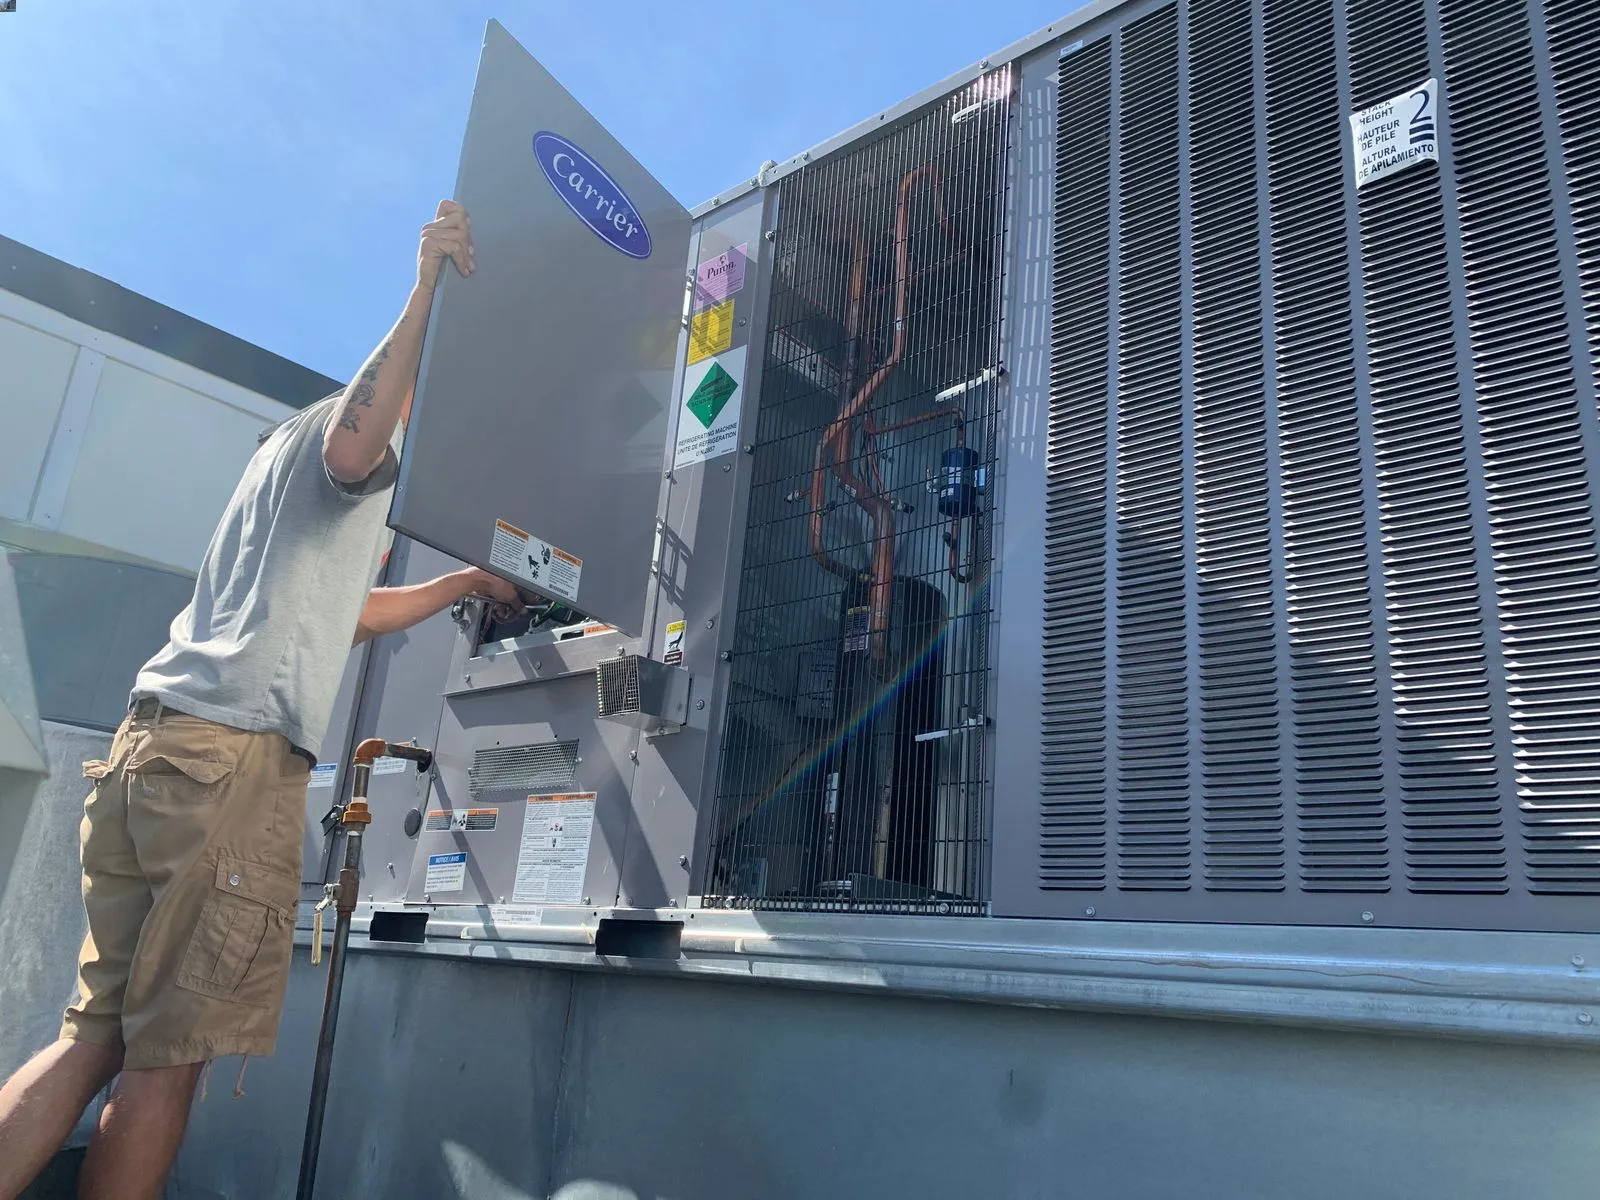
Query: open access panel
{"points": [[541, 412]]}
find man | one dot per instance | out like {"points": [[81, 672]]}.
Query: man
{"points": [[191, 836]]}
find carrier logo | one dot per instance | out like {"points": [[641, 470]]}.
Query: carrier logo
{"points": [[593, 195]]}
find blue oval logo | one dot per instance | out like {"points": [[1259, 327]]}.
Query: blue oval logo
{"points": [[594, 196]]}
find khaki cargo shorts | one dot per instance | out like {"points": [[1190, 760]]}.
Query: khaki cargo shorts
{"points": [[191, 880]]}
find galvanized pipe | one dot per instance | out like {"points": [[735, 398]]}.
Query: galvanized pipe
{"points": [[354, 821]]}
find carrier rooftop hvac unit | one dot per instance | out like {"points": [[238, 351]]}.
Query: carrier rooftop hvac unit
{"points": [[1150, 477]]}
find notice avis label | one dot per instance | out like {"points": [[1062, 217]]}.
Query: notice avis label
{"points": [[1399, 133]]}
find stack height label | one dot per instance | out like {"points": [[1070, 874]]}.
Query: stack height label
{"points": [[1399, 133]]}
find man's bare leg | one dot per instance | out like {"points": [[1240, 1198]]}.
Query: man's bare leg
{"points": [[140, 1131], [41, 1103]]}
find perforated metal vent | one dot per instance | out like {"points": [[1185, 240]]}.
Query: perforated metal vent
{"points": [[618, 684], [544, 767], [1322, 613], [1538, 441], [1079, 570]]}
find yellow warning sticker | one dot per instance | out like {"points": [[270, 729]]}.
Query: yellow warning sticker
{"points": [[672, 652], [711, 331]]}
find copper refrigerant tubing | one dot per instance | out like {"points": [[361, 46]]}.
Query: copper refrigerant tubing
{"points": [[836, 447]]}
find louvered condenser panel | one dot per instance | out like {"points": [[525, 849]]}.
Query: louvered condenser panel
{"points": [[1321, 613]]}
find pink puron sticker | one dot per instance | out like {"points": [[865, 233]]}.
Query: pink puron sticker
{"points": [[720, 277]]}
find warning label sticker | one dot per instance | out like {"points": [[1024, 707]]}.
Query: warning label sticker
{"points": [[711, 331], [1396, 134], [554, 856], [718, 278], [462, 820], [523, 556], [446, 873], [323, 775], [390, 766], [672, 650], [708, 426]]}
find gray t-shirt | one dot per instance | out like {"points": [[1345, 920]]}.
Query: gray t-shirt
{"points": [[263, 644]]}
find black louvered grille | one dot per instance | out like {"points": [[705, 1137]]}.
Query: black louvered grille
{"points": [[1154, 767], [1573, 28], [1335, 629], [1241, 772], [1534, 441], [1322, 617], [854, 774], [1077, 564], [1449, 788]]}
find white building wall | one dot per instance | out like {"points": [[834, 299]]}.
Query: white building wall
{"points": [[113, 445]]}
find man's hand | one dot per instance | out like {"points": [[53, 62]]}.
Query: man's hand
{"points": [[355, 444], [448, 235], [389, 610], [507, 601]]}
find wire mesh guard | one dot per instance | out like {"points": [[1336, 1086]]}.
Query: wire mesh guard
{"points": [[854, 772]]}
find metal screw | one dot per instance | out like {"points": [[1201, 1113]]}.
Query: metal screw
{"points": [[1585, 1019], [683, 861], [711, 622], [726, 656], [672, 904], [634, 755], [670, 477], [699, 703], [984, 64], [500, 900], [726, 467], [1366, 917], [466, 679], [1089, 912], [806, 157], [586, 900], [749, 448], [1577, 960], [771, 235], [538, 664]]}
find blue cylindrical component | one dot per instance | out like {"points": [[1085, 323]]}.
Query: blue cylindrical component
{"points": [[958, 486]]}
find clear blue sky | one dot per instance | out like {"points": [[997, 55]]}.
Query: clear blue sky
{"points": [[265, 166]]}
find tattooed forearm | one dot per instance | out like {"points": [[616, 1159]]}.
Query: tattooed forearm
{"points": [[356, 441], [370, 375]]}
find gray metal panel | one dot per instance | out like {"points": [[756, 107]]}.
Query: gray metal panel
{"points": [[1346, 663], [1019, 586], [545, 383], [494, 1082], [701, 545], [91, 624], [443, 1086], [557, 706], [399, 700]]}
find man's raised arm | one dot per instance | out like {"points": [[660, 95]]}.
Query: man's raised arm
{"points": [[354, 445]]}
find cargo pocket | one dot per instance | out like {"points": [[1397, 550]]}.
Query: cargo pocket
{"points": [[245, 935]]}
